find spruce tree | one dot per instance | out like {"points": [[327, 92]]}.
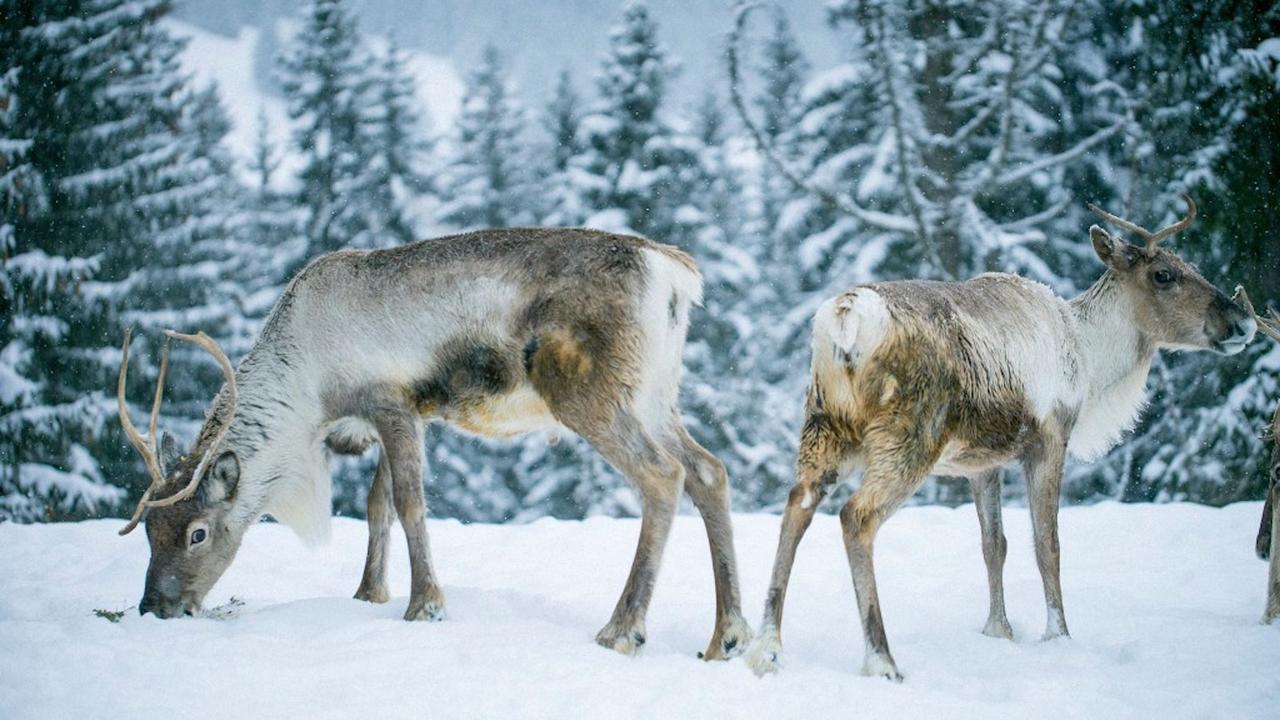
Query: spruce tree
{"points": [[631, 165], [782, 70], [111, 210], [334, 92], [1205, 127], [561, 120], [390, 124], [486, 180], [944, 164]]}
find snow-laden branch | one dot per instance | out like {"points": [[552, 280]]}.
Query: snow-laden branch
{"points": [[1068, 155], [843, 203], [914, 204], [1000, 152], [1031, 221]]}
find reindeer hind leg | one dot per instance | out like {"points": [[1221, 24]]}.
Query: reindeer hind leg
{"points": [[707, 485]]}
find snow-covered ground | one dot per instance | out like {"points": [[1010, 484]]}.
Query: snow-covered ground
{"points": [[1163, 601]]}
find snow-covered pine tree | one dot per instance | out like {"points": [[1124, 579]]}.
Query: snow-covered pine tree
{"points": [[486, 180], [269, 245], [943, 163], [560, 121], [390, 123], [635, 171], [782, 70], [112, 217], [46, 468], [334, 89], [722, 396], [1205, 79]]}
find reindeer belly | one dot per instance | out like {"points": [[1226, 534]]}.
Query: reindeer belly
{"points": [[960, 459], [979, 440], [507, 414], [481, 386]]}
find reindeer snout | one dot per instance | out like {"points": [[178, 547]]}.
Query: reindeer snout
{"points": [[1245, 329], [1238, 326], [162, 597], [160, 607]]}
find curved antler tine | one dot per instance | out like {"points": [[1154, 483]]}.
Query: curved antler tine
{"points": [[147, 451], [1121, 222], [143, 504], [202, 340], [155, 403], [1177, 227]]}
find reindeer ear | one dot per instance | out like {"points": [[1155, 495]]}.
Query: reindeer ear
{"points": [[169, 452], [223, 478], [1111, 250]]}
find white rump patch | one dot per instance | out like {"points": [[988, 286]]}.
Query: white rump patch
{"points": [[854, 323], [664, 335]]}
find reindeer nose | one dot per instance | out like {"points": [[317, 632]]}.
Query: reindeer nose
{"points": [[1245, 329], [160, 607]]}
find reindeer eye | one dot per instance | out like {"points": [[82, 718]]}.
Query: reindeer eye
{"points": [[198, 536], [1162, 277]]}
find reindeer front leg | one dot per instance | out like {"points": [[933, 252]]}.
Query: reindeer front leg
{"points": [[1043, 468], [1273, 574], [402, 445], [380, 510], [986, 496]]}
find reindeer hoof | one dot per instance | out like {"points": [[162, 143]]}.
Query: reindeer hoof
{"points": [[729, 641], [429, 609], [1053, 633], [765, 655], [998, 629], [374, 595], [626, 640], [881, 666]]}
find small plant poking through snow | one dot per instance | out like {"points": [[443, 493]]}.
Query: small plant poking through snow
{"points": [[225, 611], [110, 615]]}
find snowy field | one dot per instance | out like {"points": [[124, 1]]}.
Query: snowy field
{"points": [[1163, 601]]}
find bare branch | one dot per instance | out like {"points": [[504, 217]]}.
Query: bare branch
{"points": [[1068, 155], [843, 203]]}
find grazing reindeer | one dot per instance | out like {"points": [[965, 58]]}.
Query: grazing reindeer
{"points": [[498, 332], [1268, 542], [958, 378]]}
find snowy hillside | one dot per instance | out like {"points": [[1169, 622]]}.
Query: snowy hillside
{"points": [[1164, 602]]}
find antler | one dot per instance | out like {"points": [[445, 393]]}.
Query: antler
{"points": [[148, 451], [1269, 325], [1152, 238]]}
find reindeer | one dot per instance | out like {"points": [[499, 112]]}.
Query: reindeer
{"points": [[959, 378], [497, 332], [1268, 543]]}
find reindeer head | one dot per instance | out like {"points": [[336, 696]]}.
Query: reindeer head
{"points": [[1172, 302], [188, 504]]}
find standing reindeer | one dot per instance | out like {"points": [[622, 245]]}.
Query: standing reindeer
{"points": [[959, 378], [1268, 542], [498, 332]]}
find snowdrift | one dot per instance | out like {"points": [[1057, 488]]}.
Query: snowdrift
{"points": [[1163, 601]]}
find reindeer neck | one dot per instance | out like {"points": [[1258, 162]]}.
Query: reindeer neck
{"points": [[1115, 357], [266, 422]]}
